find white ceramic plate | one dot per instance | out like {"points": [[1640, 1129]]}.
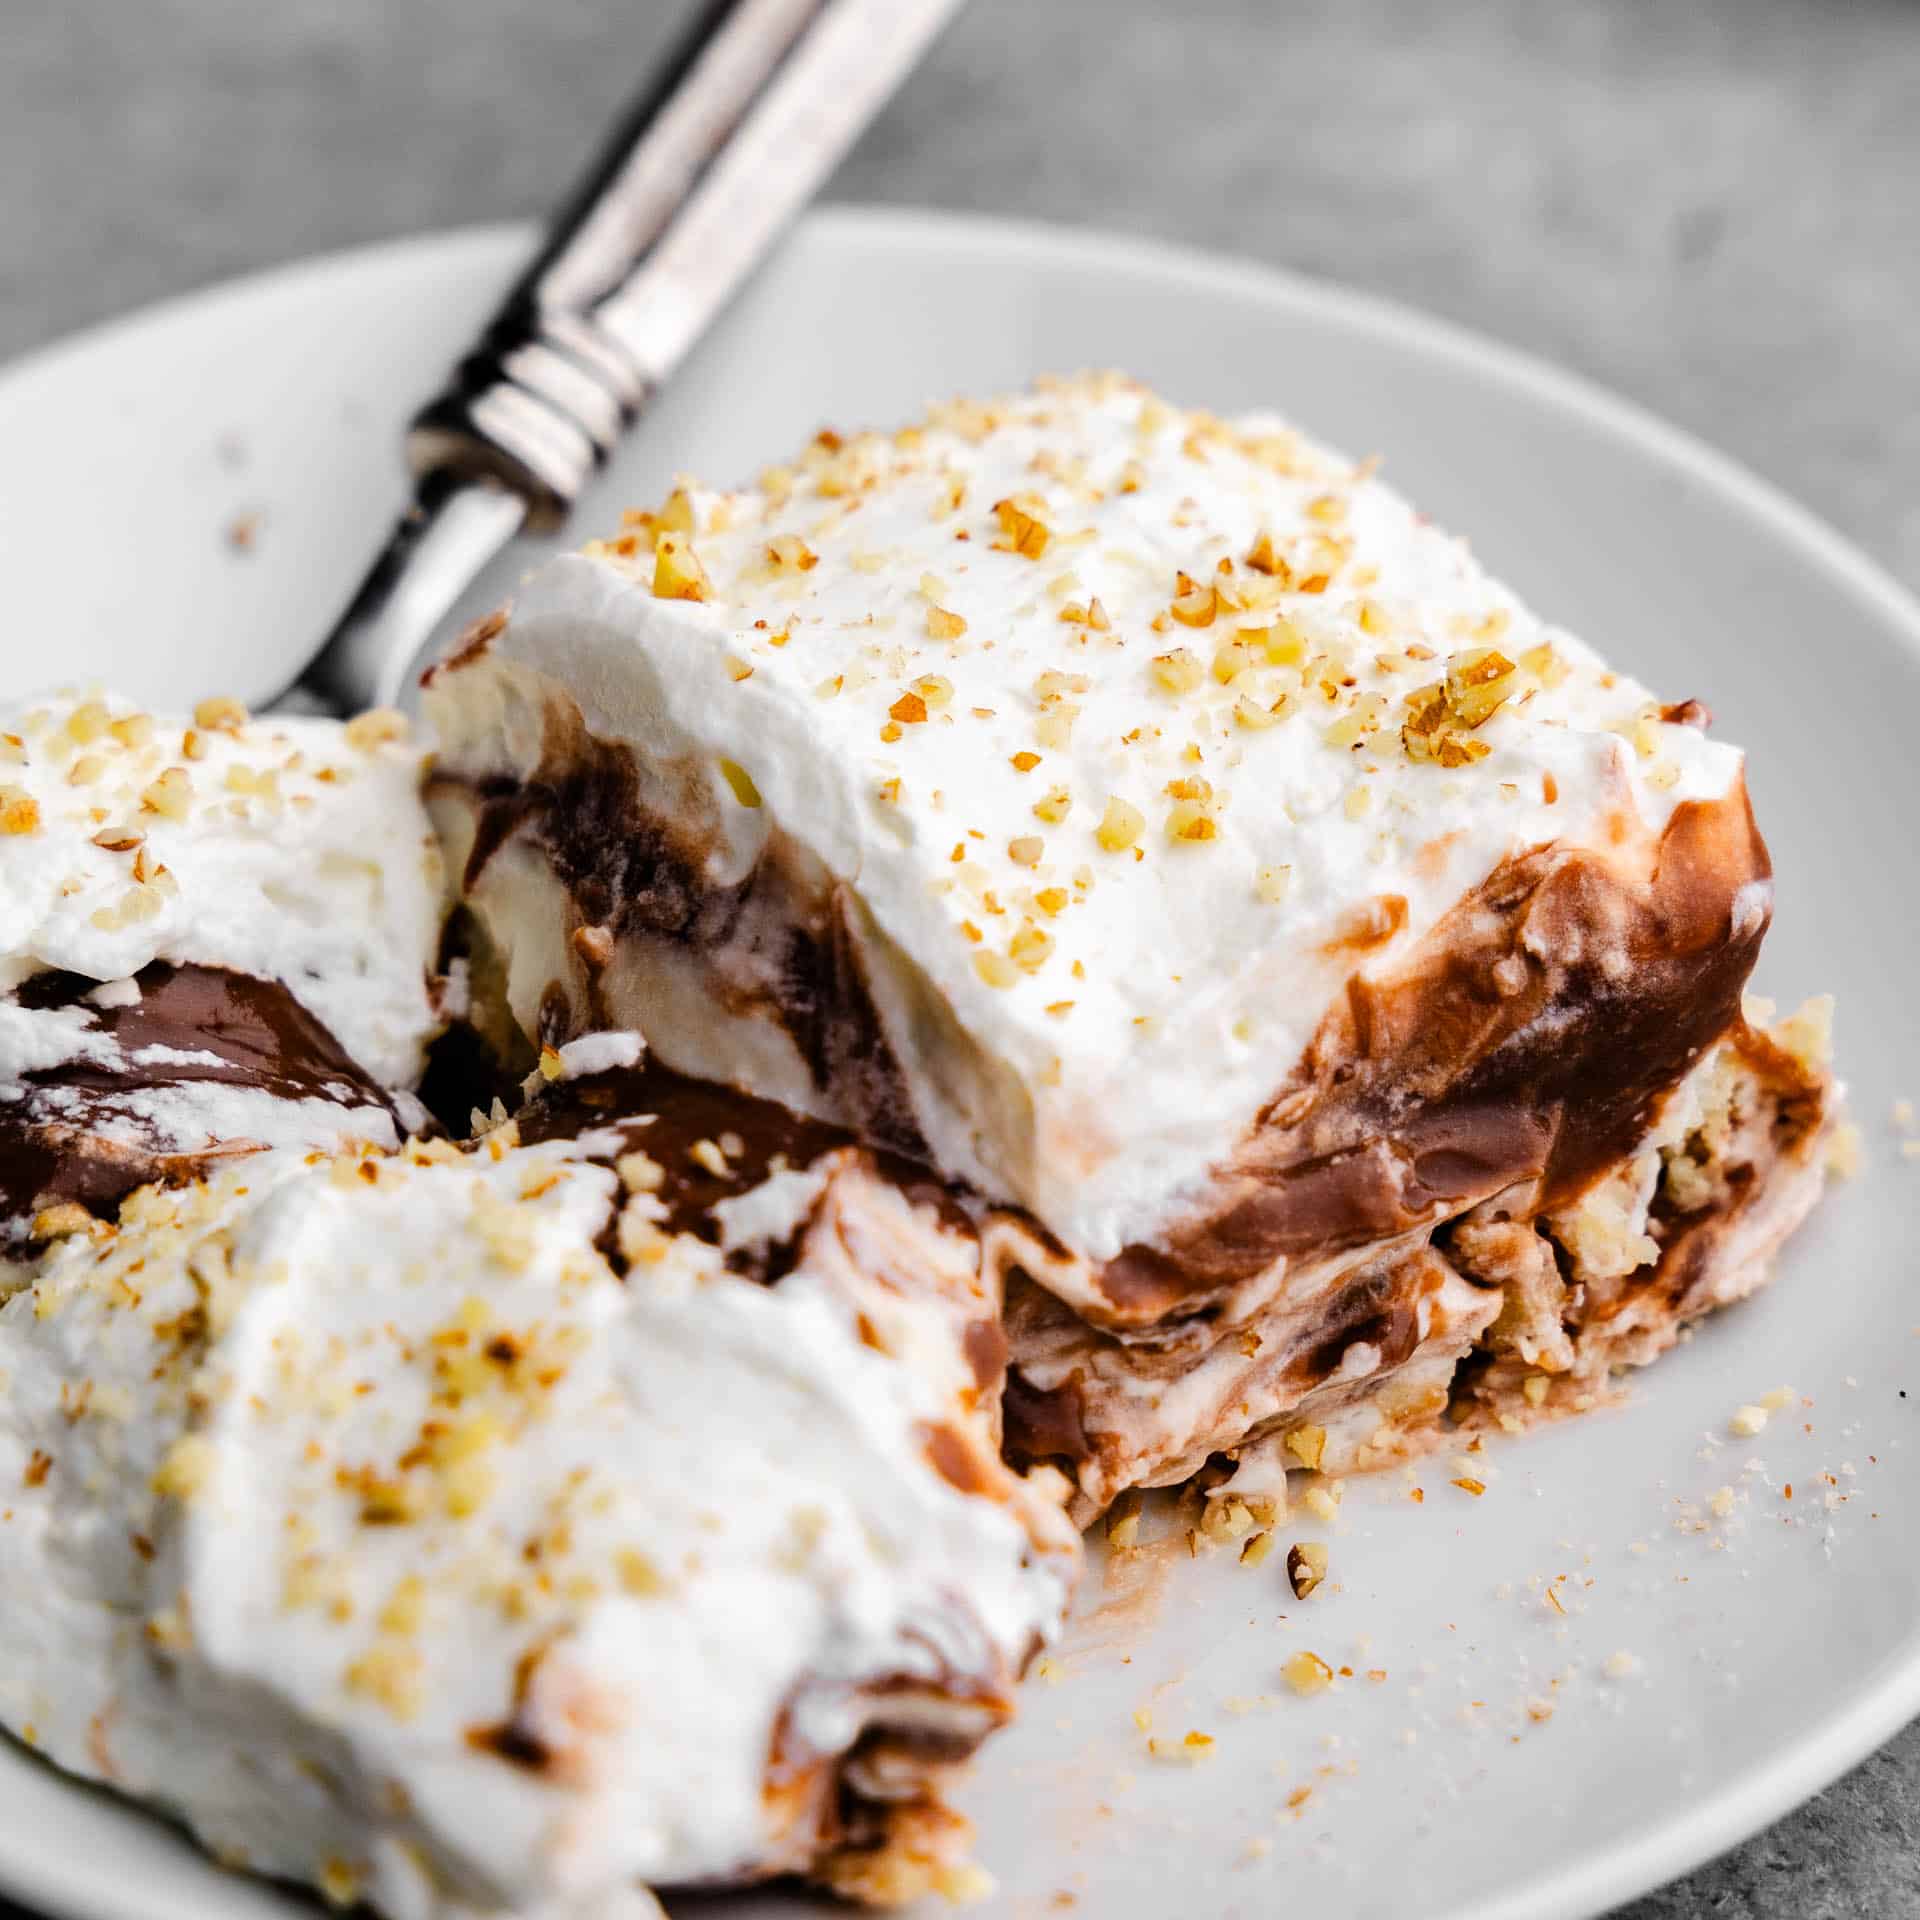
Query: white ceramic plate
{"points": [[1495, 1769]]}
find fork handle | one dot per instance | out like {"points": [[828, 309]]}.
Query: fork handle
{"points": [[753, 110]]}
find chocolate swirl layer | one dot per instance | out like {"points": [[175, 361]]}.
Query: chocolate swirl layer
{"points": [[154, 1076]]}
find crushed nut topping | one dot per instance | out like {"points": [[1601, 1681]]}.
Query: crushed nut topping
{"points": [[1306, 1567], [1306, 1673]]}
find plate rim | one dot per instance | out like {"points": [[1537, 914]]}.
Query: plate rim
{"points": [[1772, 1785]]}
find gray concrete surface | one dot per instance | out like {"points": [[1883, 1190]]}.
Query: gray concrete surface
{"points": [[1711, 205]]}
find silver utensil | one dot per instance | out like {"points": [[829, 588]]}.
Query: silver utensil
{"points": [[733, 136]]}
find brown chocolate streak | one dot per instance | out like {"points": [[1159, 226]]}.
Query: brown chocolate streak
{"points": [[261, 1035], [686, 1112], [641, 876], [1439, 1084]]}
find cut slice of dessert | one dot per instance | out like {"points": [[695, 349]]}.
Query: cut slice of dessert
{"points": [[1162, 829], [505, 1529], [216, 934], [1495, 1320]]}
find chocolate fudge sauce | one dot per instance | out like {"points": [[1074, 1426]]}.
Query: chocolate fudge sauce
{"points": [[228, 1028]]}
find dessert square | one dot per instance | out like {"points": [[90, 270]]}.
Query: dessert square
{"points": [[613, 1501], [1150, 820]]}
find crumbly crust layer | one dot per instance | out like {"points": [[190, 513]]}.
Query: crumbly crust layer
{"points": [[1505, 1316]]}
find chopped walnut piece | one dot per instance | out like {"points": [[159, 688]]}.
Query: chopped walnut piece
{"points": [[706, 1155], [19, 811], [61, 1221], [1053, 686], [220, 715], [1192, 817], [1054, 728], [1543, 663], [1021, 530], [1306, 1567], [1230, 660], [377, 727], [1179, 671], [170, 795], [1190, 822], [677, 515], [1306, 1673], [1478, 685], [87, 722], [995, 968], [1195, 606], [1120, 826], [788, 553], [593, 944], [1227, 1519], [1031, 947], [677, 572], [640, 1172], [1432, 731]]}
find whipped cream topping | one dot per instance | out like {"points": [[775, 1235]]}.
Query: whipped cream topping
{"points": [[295, 850], [366, 1520], [1132, 731]]}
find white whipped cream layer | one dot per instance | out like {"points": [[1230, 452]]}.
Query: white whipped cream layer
{"points": [[293, 849], [362, 1518], [1084, 1028]]}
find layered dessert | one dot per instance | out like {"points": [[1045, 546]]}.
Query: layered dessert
{"points": [[1322, 978], [217, 935], [614, 1501], [1074, 946], [1492, 1320]]}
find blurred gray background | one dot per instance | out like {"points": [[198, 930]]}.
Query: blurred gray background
{"points": [[1712, 206]]}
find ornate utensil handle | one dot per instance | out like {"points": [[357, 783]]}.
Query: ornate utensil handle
{"points": [[749, 116]]}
